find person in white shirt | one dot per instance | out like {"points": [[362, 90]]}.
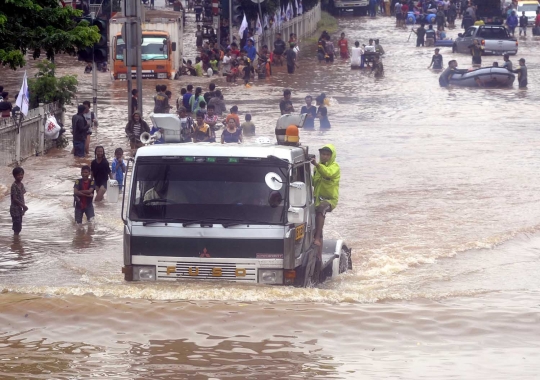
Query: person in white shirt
{"points": [[226, 63], [357, 56]]}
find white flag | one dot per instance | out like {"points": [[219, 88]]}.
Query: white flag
{"points": [[243, 26], [299, 7], [288, 12], [283, 16], [258, 26], [266, 21], [23, 99]]}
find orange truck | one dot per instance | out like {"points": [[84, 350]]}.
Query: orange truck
{"points": [[161, 50]]}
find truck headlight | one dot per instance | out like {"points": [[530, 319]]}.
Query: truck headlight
{"points": [[162, 76], [270, 276], [144, 273]]}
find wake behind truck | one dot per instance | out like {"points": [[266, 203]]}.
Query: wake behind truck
{"points": [[208, 211], [161, 47]]}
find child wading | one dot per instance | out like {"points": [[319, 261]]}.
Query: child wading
{"points": [[100, 172], [18, 207], [83, 192], [118, 167]]}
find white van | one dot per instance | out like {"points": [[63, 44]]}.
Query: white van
{"points": [[529, 7]]}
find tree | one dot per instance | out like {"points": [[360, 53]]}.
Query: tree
{"points": [[46, 88], [41, 26]]}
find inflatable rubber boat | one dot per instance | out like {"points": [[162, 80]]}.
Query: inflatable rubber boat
{"points": [[484, 77], [447, 43]]}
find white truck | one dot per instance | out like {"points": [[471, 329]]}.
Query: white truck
{"points": [[210, 211], [359, 7], [161, 46]]}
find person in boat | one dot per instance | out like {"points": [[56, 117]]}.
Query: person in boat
{"points": [[326, 178], [436, 61], [444, 78]]}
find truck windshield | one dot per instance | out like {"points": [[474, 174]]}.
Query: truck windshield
{"points": [[152, 48], [527, 8], [217, 192], [493, 33], [120, 47]]}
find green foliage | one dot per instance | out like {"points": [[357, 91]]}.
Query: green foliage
{"points": [[40, 26], [328, 23], [46, 88]]}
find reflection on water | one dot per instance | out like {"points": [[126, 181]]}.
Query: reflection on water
{"points": [[440, 198]]}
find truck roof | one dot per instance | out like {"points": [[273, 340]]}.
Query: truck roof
{"points": [[146, 32], [289, 153]]}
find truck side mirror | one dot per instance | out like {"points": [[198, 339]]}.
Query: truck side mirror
{"points": [[297, 194], [173, 46], [295, 215]]}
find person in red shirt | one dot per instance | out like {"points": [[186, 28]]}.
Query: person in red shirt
{"points": [[404, 10], [343, 46], [537, 20], [234, 50]]}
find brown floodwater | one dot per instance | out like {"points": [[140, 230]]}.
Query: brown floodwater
{"points": [[440, 201]]}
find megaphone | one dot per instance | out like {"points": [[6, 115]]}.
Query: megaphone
{"points": [[147, 139]]}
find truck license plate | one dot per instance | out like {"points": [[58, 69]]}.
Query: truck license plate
{"points": [[300, 231]]}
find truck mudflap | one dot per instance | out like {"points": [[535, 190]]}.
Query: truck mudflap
{"points": [[336, 259]]}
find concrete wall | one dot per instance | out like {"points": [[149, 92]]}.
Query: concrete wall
{"points": [[304, 26], [18, 142]]}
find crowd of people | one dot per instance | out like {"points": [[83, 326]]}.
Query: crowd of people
{"points": [[240, 59]]}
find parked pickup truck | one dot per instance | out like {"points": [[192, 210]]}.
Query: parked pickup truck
{"points": [[494, 38]]}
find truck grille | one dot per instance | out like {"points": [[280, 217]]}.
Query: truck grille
{"points": [[172, 270]]}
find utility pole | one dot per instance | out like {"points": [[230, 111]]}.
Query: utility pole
{"points": [[95, 9], [230, 22], [132, 35], [138, 52]]}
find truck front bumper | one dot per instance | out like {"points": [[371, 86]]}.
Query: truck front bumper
{"points": [[263, 271]]}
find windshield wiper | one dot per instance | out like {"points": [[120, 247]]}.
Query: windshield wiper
{"points": [[204, 221], [158, 200], [147, 222], [153, 58], [246, 221]]}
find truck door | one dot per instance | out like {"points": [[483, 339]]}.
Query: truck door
{"points": [[310, 227], [466, 41], [304, 231], [113, 54]]}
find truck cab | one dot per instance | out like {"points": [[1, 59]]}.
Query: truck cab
{"points": [[156, 56], [211, 211]]}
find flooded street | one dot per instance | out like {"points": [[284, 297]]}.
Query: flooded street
{"points": [[440, 202]]}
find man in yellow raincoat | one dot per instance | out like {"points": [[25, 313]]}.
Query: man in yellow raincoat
{"points": [[326, 184]]}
